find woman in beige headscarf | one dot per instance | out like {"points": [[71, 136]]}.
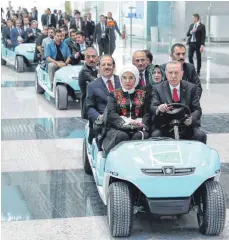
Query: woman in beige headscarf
{"points": [[127, 108]]}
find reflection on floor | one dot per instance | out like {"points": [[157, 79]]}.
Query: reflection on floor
{"points": [[57, 194]]}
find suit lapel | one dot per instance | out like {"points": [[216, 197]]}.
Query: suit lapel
{"points": [[183, 94], [103, 86], [117, 82], [167, 92], [146, 77]]}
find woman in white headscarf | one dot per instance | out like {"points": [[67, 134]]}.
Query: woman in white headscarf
{"points": [[127, 109]]}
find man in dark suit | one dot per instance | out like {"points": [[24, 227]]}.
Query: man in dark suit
{"points": [[6, 33], [26, 24], [77, 46], [38, 50], [67, 23], [139, 59], [35, 14], [59, 19], [90, 27], [32, 33], [176, 90], [48, 19], [197, 35], [178, 52], [101, 36], [86, 75], [17, 35], [78, 24], [99, 89]]}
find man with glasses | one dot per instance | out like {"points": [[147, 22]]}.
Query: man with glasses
{"points": [[87, 74], [178, 52]]}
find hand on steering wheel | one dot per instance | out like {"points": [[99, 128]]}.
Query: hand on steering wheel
{"points": [[188, 121], [164, 108]]}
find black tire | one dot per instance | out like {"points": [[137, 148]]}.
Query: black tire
{"points": [[19, 64], [38, 88], [212, 212], [86, 164], [3, 62], [61, 97], [120, 209]]}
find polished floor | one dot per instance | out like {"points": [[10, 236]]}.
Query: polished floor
{"points": [[45, 193]]}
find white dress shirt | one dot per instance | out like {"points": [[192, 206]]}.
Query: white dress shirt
{"points": [[83, 48], [106, 83], [103, 30], [178, 89], [78, 23], [68, 26], [195, 26]]}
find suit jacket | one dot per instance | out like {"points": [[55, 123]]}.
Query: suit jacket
{"points": [[188, 96], [6, 32], [83, 27], [32, 39], [86, 75], [146, 77], [97, 96], [59, 21], [35, 15], [189, 75], [14, 35], [44, 20], [98, 33], [200, 34], [74, 48], [90, 28]]}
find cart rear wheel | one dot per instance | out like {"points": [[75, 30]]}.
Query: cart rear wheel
{"points": [[212, 209], [120, 209]]}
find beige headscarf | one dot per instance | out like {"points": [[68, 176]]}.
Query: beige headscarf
{"points": [[129, 68]]}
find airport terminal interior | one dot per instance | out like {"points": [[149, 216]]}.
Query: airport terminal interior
{"points": [[45, 193]]}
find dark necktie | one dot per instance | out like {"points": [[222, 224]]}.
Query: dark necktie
{"points": [[175, 96], [110, 85], [142, 81]]}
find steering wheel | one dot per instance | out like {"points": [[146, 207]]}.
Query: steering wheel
{"points": [[176, 116], [178, 108]]}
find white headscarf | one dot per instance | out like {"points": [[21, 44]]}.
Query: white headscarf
{"points": [[129, 68]]}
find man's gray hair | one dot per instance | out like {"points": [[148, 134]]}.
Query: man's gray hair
{"points": [[138, 51], [91, 48], [174, 62]]}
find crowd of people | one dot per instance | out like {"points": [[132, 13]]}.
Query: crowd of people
{"points": [[63, 38], [138, 96]]}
